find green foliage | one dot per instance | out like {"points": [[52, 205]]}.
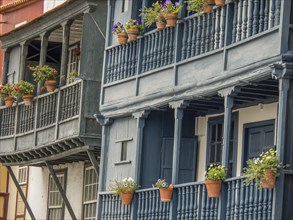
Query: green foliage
{"points": [[6, 90], [118, 28], [256, 167], [196, 6], [170, 8], [153, 14], [43, 73], [162, 184], [72, 76], [126, 185], [22, 88], [135, 23], [215, 172]]}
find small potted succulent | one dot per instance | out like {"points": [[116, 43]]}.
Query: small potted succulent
{"points": [[125, 189], [119, 30], [214, 177], [166, 190], [6, 94], [263, 170], [198, 6], [171, 12], [25, 90], [45, 74], [133, 27], [154, 14]]}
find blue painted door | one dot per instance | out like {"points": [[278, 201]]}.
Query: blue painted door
{"points": [[187, 164]]}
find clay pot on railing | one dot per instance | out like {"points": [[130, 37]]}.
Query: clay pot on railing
{"points": [[166, 194], [50, 85], [161, 23], [220, 2], [132, 34], [269, 181], [208, 9], [27, 99], [122, 38], [8, 101], [126, 198], [213, 188], [171, 19]]}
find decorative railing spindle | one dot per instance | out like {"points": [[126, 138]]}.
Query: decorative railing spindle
{"points": [[278, 12], [198, 35], [255, 204], [203, 33], [250, 17], [213, 30], [228, 207], [244, 31], [189, 39], [272, 17], [241, 206], [261, 16], [207, 46], [223, 26], [170, 47], [218, 29], [184, 41], [260, 205], [266, 18], [234, 30], [239, 29], [255, 17]]}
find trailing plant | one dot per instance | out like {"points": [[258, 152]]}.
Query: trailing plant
{"points": [[135, 24], [153, 14], [124, 186], [22, 88], [169, 8], [43, 73], [118, 28], [215, 172], [196, 6], [6, 90], [256, 167], [162, 184], [72, 76]]}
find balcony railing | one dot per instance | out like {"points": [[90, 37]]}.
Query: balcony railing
{"points": [[194, 36], [190, 201]]}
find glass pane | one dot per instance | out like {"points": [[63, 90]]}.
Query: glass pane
{"points": [[214, 131], [219, 133]]}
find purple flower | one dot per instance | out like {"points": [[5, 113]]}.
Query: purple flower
{"points": [[168, 2], [138, 21], [177, 3]]}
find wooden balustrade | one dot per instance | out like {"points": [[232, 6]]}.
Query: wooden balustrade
{"points": [[190, 201], [43, 112]]}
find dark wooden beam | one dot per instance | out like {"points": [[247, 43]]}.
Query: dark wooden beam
{"points": [[94, 162]]}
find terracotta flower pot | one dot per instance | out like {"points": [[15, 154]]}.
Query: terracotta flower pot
{"points": [[51, 85], [132, 34], [8, 101], [126, 198], [213, 188], [220, 2], [208, 9], [211, 2], [122, 38], [171, 19], [166, 194], [269, 181], [27, 99], [161, 25]]}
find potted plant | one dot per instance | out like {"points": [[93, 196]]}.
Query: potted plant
{"points": [[72, 76], [133, 27], [154, 14], [214, 177], [171, 12], [25, 90], [45, 74], [220, 2], [263, 169], [6, 94], [198, 6], [119, 30], [166, 190], [125, 189]]}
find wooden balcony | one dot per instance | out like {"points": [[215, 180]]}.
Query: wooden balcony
{"points": [[57, 125], [229, 43], [190, 201]]}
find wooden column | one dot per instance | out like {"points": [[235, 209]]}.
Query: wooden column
{"points": [[23, 57], [27, 206], [44, 46], [62, 192], [281, 73], [6, 54], [64, 55]]}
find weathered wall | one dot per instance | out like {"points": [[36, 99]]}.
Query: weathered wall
{"points": [[50, 4]]}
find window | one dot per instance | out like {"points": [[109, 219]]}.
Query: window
{"points": [[90, 190], [55, 201], [23, 182], [125, 5], [215, 143], [123, 156], [73, 62]]}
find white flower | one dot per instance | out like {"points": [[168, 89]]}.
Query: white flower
{"points": [[163, 185], [125, 179], [130, 179]]}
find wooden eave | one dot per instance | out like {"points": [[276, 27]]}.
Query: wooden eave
{"points": [[15, 5]]}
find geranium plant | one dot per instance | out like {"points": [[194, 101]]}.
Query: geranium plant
{"points": [[153, 14], [135, 24], [44, 73], [215, 172], [169, 8], [257, 168], [6, 90], [124, 186], [22, 88], [118, 28]]}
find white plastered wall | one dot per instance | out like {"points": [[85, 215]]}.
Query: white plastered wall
{"points": [[245, 115], [50, 4]]}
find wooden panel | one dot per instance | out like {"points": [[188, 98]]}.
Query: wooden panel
{"points": [[46, 136], [7, 145], [25, 142], [68, 128]]}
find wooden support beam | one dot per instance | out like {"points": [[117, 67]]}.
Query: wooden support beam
{"points": [[23, 58], [62, 192], [94, 161], [27, 206]]}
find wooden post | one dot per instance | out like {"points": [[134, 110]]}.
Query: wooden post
{"points": [[27, 206], [62, 192]]}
